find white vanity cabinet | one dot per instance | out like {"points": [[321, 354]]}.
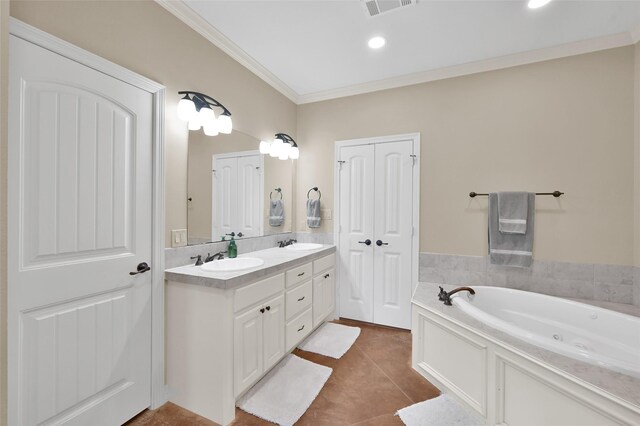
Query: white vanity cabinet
{"points": [[324, 288], [258, 341], [224, 333]]}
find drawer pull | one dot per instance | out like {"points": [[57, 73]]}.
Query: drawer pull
{"points": [[301, 274], [301, 299], [262, 310], [268, 308], [327, 275], [301, 328]]}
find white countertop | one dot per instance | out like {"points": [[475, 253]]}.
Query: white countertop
{"points": [[621, 385], [275, 260]]}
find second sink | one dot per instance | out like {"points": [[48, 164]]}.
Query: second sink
{"points": [[235, 264]]}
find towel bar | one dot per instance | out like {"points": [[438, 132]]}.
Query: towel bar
{"points": [[554, 193]]}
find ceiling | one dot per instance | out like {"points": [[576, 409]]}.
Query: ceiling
{"points": [[315, 47]]}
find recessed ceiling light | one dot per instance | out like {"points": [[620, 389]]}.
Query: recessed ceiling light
{"points": [[377, 42], [534, 4]]}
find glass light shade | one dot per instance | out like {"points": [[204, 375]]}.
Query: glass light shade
{"points": [[275, 147], [194, 122], [211, 128], [207, 118], [186, 109], [224, 124], [264, 147], [294, 153], [284, 151]]}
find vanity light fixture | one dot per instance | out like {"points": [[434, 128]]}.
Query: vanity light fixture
{"points": [[197, 109], [283, 147]]}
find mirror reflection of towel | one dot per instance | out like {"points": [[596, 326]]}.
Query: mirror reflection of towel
{"points": [[276, 213], [313, 213]]}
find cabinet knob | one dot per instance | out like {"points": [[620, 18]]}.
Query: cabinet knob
{"points": [[262, 310], [327, 275], [301, 328], [301, 299], [268, 308], [301, 274]]}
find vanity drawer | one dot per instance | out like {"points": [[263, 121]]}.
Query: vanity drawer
{"points": [[253, 293], [299, 274], [299, 328], [324, 263], [298, 299]]}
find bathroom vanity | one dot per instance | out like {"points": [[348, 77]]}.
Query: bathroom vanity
{"points": [[226, 330]]}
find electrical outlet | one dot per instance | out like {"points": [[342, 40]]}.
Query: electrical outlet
{"points": [[178, 238], [325, 214]]}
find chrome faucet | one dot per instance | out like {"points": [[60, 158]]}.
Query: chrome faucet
{"points": [[446, 297]]}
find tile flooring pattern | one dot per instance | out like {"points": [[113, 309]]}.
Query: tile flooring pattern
{"points": [[368, 385]]}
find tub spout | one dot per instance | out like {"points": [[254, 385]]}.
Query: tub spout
{"points": [[446, 297]]}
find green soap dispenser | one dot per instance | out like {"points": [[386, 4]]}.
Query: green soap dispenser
{"points": [[232, 250]]}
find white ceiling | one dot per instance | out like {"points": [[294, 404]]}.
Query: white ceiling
{"points": [[321, 46]]}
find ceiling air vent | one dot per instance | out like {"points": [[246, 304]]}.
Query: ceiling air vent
{"points": [[378, 7]]}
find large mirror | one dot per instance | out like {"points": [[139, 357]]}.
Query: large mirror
{"points": [[232, 188]]}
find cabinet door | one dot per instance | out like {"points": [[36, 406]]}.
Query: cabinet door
{"points": [[318, 300], [248, 361], [329, 291], [273, 331]]}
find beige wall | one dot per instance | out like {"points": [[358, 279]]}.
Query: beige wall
{"points": [[636, 158], [162, 48], [565, 124]]}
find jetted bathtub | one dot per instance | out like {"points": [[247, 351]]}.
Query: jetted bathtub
{"points": [[577, 330]]}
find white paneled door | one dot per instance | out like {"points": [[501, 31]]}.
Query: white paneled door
{"points": [[80, 178], [237, 188], [376, 231]]}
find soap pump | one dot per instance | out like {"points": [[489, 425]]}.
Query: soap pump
{"points": [[232, 249]]}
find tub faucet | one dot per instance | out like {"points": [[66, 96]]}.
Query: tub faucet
{"points": [[446, 297]]}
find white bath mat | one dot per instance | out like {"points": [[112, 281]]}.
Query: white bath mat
{"points": [[333, 340], [287, 391], [440, 411]]}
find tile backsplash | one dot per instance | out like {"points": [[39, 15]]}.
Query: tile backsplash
{"points": [[610, 283]]}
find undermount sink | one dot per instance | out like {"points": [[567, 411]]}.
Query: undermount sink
{"points": [[230, 265], [304, 246]]}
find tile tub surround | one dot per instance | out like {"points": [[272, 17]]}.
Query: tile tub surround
{"points": [[608, 283], [276, 260], [622, 386]]}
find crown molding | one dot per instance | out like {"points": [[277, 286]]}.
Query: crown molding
{"points": [[187, 15], [532, 56]]}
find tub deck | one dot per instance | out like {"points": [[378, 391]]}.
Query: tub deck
{"points": [[620, 385]]}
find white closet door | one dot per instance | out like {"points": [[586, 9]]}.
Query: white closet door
{"points": [[356, 226], [80, 150], [225, 198], [393, 229], [249, 200]]}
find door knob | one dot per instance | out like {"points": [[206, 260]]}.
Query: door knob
{"points": [[141, 269], [366, 242], [380, 243]]}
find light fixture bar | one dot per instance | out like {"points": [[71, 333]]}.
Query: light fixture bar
{"points": [[200, 99]]}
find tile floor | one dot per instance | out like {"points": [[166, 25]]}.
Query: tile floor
{"points": [[368, 385]]}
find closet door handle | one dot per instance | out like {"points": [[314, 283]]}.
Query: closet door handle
{"points": [[380, 243], [365, 242], [141, 269]]}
